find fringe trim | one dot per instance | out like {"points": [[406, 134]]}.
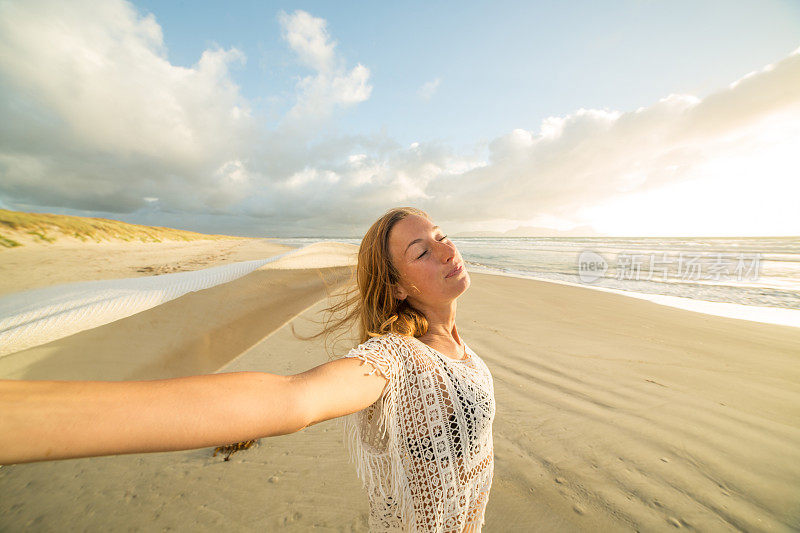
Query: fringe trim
{"points": [[388, 397], [374, 468]]}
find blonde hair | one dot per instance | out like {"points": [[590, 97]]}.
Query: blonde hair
{"points": [[369, 300]]}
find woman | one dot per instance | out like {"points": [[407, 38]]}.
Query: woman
{"points": [[419, 424]]}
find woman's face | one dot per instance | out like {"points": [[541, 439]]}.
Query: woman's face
{"points": [[424, 260]]}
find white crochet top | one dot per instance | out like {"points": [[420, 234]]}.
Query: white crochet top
{"points": [[424, 449]]}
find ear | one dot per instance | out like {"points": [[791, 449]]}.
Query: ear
{"points": [[399, 292]]}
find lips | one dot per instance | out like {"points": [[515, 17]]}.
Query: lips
{"points": [[455, 271]]}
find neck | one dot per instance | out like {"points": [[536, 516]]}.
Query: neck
{"points": [[442, 324]]}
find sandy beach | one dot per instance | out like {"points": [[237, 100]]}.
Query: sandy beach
{"points": [[613, 413], [64, 261]]}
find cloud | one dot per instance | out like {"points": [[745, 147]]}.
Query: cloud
{"points": [[308, 37], [428, 89], [332, 84], [94, 114], [95, 119], [591, 157]]}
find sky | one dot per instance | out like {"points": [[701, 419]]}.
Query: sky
{"points": [[629, 118]]}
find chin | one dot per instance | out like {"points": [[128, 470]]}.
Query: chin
{"points": [[465, 283]]}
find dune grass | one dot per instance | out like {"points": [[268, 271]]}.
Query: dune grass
{"points": [[47, 228], [8, 243]]}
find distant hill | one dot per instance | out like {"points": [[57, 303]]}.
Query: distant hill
{"points": [[18, 229], [534, 231]]}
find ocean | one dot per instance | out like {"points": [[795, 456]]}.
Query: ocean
{"points": [[754, 278]]}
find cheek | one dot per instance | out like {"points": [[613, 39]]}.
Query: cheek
{"points": [[426, 276], [435, 278]]}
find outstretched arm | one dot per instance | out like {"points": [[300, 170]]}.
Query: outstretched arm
{"points": [[49, 420], [46, 420]]}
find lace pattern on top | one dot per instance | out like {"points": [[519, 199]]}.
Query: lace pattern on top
{"points": [[424, 449]]}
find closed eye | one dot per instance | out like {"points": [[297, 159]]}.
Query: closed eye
{"points": [[426, 251]]}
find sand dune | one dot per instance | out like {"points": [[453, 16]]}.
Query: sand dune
{"points": [[613, 414]]}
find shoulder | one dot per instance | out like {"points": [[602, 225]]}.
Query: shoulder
{"points": [[396, 349], [390, 340], [405, 344], [388, 352]]}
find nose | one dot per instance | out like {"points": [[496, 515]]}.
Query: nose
{"points": [[448, 251]]}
